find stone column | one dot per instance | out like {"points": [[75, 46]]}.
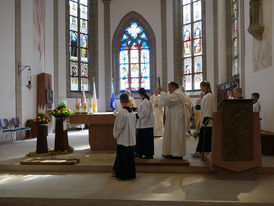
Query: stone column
{"points": [[108, 73], [18, 80], [164, 43], [222, 41]]}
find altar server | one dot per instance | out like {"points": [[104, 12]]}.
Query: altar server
{"points": [[174, 140], [188, 112], [207, 109], [124, 132], [158, 112], [145, 137]]}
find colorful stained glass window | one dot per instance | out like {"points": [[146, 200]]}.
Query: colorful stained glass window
{"points": [[73, 69], [187, 33], [197, 30], [124, 84], [187, 48], [144, 55], [124, 57], [84, 83], [192, 30], [74, 83], [134, 59], [134, 70], [124, 71], [197, 47], [134, 56], [187, 66], [84, 40], [188, 82], [145, 83], [83, 26], [145, 70], [135, 84], [84, 70], [78, 44], [198, 63], [84, 55], [73, 23], [235, 36]]}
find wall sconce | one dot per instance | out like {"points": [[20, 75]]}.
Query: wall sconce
{"points": [[22, 68]]}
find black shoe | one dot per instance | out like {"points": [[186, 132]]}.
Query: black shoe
{"points": [[138, 156], [148, 157], [167, 156], [177, 158]]}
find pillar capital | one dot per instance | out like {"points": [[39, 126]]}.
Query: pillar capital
{"points": [[106, 1]]}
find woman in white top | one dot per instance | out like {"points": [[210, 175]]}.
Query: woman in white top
{"points": [[145, 122], [207, 109]]}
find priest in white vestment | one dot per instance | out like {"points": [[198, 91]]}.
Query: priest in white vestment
{"points": [[158, 112], [188, 112], [174, 139]]}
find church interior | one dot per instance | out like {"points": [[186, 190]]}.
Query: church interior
{"points": [[85, 53]]}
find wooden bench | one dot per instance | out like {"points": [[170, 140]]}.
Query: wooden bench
{"points": [[267, 138]]}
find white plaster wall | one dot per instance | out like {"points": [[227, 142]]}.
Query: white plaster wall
{"points": [[260, 81], [7, 60], [30, 55]]}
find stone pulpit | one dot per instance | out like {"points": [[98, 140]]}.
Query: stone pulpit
{"points": [[236, 144]]}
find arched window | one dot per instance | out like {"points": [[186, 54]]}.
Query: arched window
{"points": [[235, 37], [134, 59], [78, 45], [82, 46], [133, 54], [192, 38]]}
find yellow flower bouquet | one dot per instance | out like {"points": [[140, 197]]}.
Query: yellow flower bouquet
{"points": [[41, 118], [61, 111]]}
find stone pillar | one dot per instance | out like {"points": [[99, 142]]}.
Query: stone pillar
{"points": [[164, 43], [222, 41], [108, 73]]}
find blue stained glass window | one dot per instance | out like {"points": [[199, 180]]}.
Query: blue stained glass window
{"points": [[134, 59], [124, 37], [143, 36]]}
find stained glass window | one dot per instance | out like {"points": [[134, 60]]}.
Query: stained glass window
{"points": [[192, 38], [134, 59], [78, 45], [235, 37]]}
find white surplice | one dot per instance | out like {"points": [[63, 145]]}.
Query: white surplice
{"points": [[124, 130], [158, 115], [174, 140], [188, 112]]}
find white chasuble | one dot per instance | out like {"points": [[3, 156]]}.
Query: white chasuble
{"points": [[174, 140]]}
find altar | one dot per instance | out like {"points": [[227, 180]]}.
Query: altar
{"points": [[100, 129]]}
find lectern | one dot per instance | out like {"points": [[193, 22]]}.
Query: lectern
{"points": [[236, 144]]}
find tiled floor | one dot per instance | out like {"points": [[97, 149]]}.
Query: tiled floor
{"points": [[65, 188]]}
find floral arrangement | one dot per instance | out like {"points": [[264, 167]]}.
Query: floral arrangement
{"points": [[61, 111], [41, 118]]}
